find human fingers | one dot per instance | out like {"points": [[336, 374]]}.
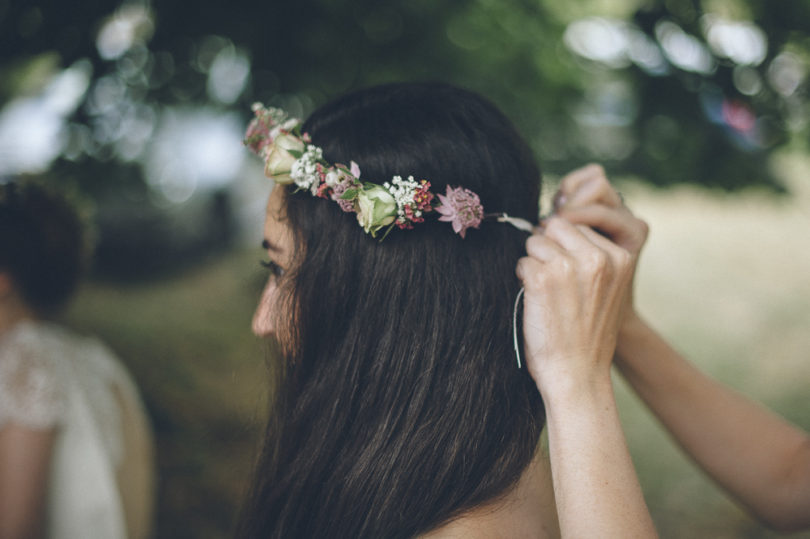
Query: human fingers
{"points": [[621, 258], [574, 179], [565, 234], [619, 224], [585, 185], [545, 259], [619, 271], [612, 267], [542, 247], [530, 272], [571, 296], [593, 258], [596, 190]]}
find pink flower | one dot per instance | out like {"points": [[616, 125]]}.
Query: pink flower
{"points": [[355, 170], [257, 136], [323, 191], [337, 192], [462, 208], [422, 198]]}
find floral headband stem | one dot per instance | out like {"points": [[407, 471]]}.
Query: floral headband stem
{"points": [[290, 157]]}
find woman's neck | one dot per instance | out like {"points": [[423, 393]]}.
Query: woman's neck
{"points": [[527, 511]]}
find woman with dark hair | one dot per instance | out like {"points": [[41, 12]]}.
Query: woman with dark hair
{"points": [[398, 409], [75, 444]]}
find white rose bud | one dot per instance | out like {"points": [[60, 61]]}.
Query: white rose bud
{"points": [[278, 160], [376, 209]]}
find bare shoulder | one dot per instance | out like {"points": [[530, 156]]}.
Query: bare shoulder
{"points": [[527, 512]]}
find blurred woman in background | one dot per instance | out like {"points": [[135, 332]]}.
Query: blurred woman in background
{"points": [[76, 455]]}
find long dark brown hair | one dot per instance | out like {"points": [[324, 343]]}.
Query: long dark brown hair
{"points": [[400, 405]]}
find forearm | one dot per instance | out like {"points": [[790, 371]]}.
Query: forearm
{"points": [[595, 484], [24, 467], [758, 457]]}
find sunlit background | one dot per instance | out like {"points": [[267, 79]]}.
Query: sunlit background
{"points": [[698, 108]]}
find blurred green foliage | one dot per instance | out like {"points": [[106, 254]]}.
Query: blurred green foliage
{"points": [[666, 124]]}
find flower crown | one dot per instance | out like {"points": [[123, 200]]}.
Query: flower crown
{"points": [[290, 157]]}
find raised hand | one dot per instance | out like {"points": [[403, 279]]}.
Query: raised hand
{"points": [[575, 282], [586, 197]]}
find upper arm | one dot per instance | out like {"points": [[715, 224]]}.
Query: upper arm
{"points": [[25, 456], [32, 404]]}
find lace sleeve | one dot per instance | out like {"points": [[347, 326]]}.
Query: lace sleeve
{"points": [[31, 390]]}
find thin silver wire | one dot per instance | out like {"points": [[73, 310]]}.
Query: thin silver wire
{"points": [[514, 326]]}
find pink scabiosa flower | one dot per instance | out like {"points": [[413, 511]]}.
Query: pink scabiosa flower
{"points": [[462, 208]]}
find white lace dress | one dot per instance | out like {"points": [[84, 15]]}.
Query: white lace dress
{"points": [[53, 378]]}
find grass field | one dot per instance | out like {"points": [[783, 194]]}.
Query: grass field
{"points": [[201, 373], [724, 277]]}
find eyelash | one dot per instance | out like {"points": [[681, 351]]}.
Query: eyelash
{"points": [[274, 268]]}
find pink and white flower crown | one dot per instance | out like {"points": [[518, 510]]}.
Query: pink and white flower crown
{"points": [[290, 157]]}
